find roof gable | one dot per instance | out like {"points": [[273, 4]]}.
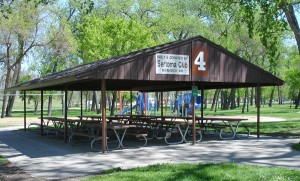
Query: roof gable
{"points": [[176, 63]]}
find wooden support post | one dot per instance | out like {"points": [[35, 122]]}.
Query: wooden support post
{"points": [[103, 102], [66, 115], [258, 110], [81, 110], [145, 104], [194, 117], [42, 111], [130, 102], [24, 110], [161, 104], [120, 102]]}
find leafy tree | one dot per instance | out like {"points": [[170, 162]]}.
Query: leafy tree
{"points": [[29, 25], [102, 38]]}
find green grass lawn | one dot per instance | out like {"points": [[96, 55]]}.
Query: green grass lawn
{"points": [[223, 171], [275, 127], [3, 160], [279, 111]]}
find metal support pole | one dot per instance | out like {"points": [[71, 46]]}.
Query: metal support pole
{"points": [[103, 102], [66, 114], [258, 110], [24, 110], [42, 111]]}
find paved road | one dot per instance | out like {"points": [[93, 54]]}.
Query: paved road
{"points": [[50, 158]]}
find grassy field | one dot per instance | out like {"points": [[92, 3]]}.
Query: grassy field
{"points": [[281, 128], [223, 171], [279, 111]]}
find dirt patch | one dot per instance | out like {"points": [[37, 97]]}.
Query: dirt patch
{"points": [[10, 172]]}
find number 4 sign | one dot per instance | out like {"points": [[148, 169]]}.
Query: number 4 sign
{"points": [[200, 61]]}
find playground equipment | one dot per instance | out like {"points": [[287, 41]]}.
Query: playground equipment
{"points": [[143, 106], [183, 104]]}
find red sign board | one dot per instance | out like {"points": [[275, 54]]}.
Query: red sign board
{"points": [[199, 61]]}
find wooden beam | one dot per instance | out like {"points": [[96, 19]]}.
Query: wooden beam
{"points": [[103, 106], [24, 110]]}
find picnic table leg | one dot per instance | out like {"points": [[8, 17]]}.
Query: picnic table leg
{"points": [[181, 134], [233, 130], [197, 141]]}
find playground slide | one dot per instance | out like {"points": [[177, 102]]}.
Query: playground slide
{"points": [[128, 109], [189, 110]]}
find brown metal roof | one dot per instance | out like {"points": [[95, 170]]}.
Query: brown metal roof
{"points": [[171, 66]]}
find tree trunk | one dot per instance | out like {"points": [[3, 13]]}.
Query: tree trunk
{"points": [[297, 101], [10, 104], [238, 98], [251, 96], [157, 101], [70, 100], [50, 106], [271, 97], [114, 98], [245, 100], [232, 99], [224, 100], [97, 103], [11, 99], [86, 101], [7, 80], [280, 98], [36, 104], [109, 100], [94, 102], [215, 99], [293, 22]]}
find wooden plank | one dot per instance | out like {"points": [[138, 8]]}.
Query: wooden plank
{"points": [[127, 71], [113, 73], [134, 70], [121, 71], [140, 69], [106, 74]]}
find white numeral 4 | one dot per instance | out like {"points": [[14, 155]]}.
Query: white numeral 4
{"points": [[200, 61]]}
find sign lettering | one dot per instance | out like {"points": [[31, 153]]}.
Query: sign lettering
{"points": [[172, 64]]}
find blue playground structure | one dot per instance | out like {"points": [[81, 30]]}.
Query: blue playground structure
{"points": [[184, 102], [140, 107]]}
